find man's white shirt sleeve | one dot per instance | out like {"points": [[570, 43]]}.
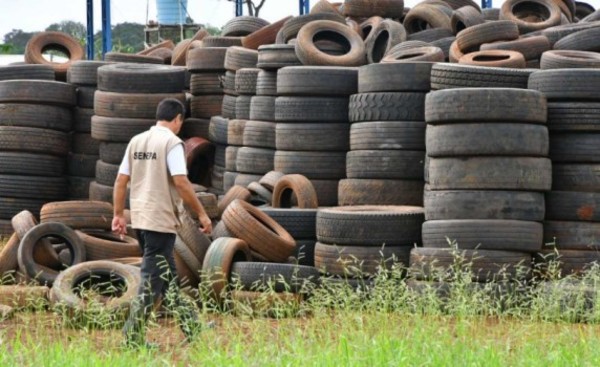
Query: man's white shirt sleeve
{"points": [[175, 162]]}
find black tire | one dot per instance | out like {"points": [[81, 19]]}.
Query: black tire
{"points": [[217, 130], [245, 81], [262, 108], [487, 139], [78, 214], [574, 148], [570, 263], [389, 106], [206, 83], [380, 192], [359, 261], [220, 150], [448, 76], [207, 106], [106, 173], [491, 104], [567, 84], [385, 164], [556, 33], [482, 204], [63, 291], [243, 26], [9, 207], [573, 116], [242, 107], [311, 109], [228, 107], [193, 127], [273, 57], [548, 14], [131, 105], [79, 187], [235, 132], [300, 223], [121, 57], [219, 41], [568, 59], [313, 165], [395, 77], [305, 252], [312, 137], [206, 59], [576, 177], [259, 134], [572, 206], [30, 72], [141, 78], [101, 193], [36, 116], [370, 225], [484, 234], [427, 16], [238, 57], [82, 120], [485, 265], [85, 96], [84, 144], [266, 83], [85, 72], [41, 273], [317, 80], [34, 140], [430, 35], [231, 158], [382, 38], [27, 164], [465, 17], [583, 40], [112, 153], [81, 165], [38, 92], [565, 235], [531, 48], [113, 129], [269, 180], [254, 160], [278, 277], [490, 173], [291, 28], [444, 44], [471, 38], [327, 191], [33, 187], [229, 83], [388, 135]]}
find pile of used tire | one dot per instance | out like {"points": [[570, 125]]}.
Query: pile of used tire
{"points": [[85, 150], [571, 227], [35, 118], [487, 174], [125, 105]]}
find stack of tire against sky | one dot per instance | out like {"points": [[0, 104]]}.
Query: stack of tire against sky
{"points": [[85, 150], [571, 228], [125, 105]]}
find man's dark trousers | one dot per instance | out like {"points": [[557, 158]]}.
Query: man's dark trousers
{"points": [[158, 274]]}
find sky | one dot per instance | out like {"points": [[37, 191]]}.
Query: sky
{"points": [[36, 15]]}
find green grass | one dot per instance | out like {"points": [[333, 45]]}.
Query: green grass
{"points": [[338, 339], [388, 323]]}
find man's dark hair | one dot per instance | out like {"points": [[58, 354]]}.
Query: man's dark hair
{"points": [[168, 109]]}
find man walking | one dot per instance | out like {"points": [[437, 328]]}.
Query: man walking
{"points": [[154, 165]]}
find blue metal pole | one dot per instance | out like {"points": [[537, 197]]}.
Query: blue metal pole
{"points": [[304, 6], [90, 29], [486, 4], [239, 8], [106, 30]]}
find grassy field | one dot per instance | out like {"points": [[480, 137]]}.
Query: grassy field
{"points": [[386, 322], [337, 339]]}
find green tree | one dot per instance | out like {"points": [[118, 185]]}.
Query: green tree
{"points": [[18, 40], [75, 29], [6, 49]]}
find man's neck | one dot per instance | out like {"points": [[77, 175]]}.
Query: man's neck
{"points": [[166, 124]]}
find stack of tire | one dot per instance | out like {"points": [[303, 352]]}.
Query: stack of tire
{"points": [[387, 137], [35, 118], [311, 134], [357, 242], [487, 174], [571, 228], [124, 106], [236, 108], [81, 163]]}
